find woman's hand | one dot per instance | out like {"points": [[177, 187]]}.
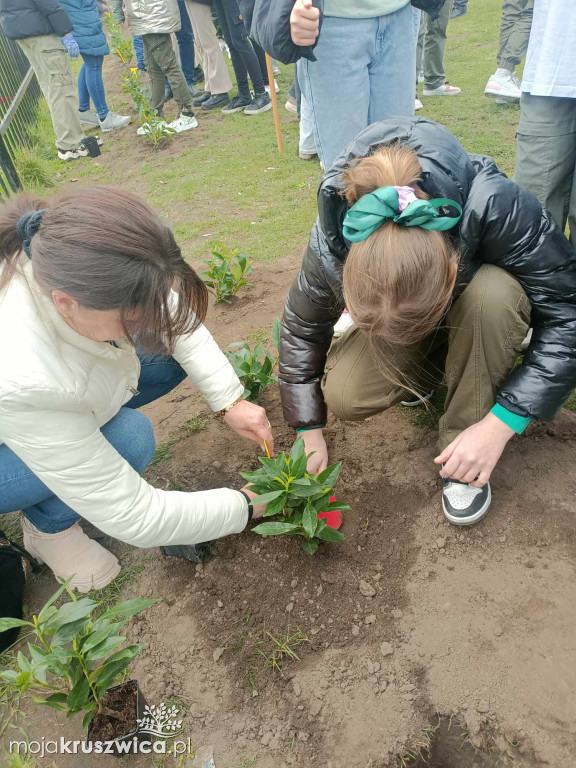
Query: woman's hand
{"points": [[304, 23], [314, 441], [472, 456], [258, 509], [250, 421]]}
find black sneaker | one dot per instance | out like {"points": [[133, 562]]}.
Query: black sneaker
{"points": [[462, 504], [260, 103], [195, 91], [199, 100], [238, 104], [216, 100], [198, 74]]}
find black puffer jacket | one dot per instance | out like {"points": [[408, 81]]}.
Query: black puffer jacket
{"points": [[32, 18], [501, 224]]}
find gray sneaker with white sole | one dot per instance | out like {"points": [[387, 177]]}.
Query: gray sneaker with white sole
{"points": [[462, 504]]}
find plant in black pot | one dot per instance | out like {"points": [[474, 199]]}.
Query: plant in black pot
{"points": [[78, 656]]}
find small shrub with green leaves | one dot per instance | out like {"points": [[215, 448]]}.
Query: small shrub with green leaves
{"points": [[226, 274], [295, 497], [155, 127], [255, 368], [119, 44], [77, 657]]}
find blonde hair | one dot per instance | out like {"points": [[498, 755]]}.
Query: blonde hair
{"points": [[398, 283]]}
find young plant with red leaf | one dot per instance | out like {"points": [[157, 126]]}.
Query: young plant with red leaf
{"points": [[296, 498]]}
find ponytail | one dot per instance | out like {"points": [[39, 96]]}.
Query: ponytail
{"points": [[10, 242]]}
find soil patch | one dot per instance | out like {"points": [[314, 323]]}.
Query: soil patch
{"points": [[122, 700]]}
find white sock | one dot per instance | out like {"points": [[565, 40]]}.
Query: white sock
{"points": [[501, 72]]}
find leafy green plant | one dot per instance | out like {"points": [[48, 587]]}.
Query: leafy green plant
{"points": [[295, 497], [154, 127], [226, 274], [120, 45], [77, 657], [195, 424], [255, 367]]}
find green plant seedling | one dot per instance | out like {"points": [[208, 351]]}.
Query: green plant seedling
{"points": [[255, 368], [120, 45], [77, 656], [295, 497], [226, 274]]}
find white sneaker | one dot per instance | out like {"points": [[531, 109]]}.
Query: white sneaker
{"points": [[462, 504], [418, 104], [143, 130], [183, 123], [112, 122], [503, 87], [72, 553], [89, 117], [443, 90], [343, 324], [291, 105], [276, 88], [420, 76]]}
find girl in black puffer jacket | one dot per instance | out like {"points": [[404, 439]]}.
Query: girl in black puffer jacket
{"points": [[444, 264]]}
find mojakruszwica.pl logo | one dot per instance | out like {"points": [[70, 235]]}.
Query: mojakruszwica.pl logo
{"points": [[160, 722]]}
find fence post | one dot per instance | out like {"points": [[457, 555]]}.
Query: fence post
{"points": [[8, 167]]}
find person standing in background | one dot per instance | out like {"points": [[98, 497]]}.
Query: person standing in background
{"points": [[503, 85], [364, 69], [36, 26], [217, 81], [460, 8], [89, 35], [546, 137], [431, 49]]}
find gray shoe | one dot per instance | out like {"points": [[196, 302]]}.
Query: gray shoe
{"points": [[89, 117], [112, 122], [462, 504]]}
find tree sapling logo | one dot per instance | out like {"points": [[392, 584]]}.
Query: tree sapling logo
{"points": [[160, 721]]}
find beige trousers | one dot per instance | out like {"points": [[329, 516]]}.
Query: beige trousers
{"points": [[480, 345], [216, 77], [49, 60]]}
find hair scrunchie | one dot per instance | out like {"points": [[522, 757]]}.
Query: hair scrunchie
{"points": [[396, 204], [27, 226]]}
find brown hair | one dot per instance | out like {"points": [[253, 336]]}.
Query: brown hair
{"points": [[398, 283], [109, 250]]}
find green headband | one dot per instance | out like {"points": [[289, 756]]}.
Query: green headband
{"points": [[389, 204]]}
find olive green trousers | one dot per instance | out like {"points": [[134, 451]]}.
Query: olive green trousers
{"points": [[474, 351]]}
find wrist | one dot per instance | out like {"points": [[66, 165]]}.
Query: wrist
{"points": [[250, 506], [514, 422], [228, 408], [315, 428], [500, 427]]}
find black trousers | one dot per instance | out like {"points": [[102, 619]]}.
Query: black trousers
{"points": [[244, 58]]}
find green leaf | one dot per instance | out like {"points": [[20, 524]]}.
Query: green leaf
{"points": [[265, 498], [333, 506], [10, 675], [129, 608], [67, 632], [56, 698], [52, 704], [299, 467], [45, 613], [310, 546], [122, 658], [330, 534], [110, 673], [6, 624], [23, 662], [276, 506], [276, 332], [298, 449], [330, 475], [88, 717], [104, 648], [304, 489], [70, 612], [79, 695], [274, 529], [309, 520], [101, 629]]}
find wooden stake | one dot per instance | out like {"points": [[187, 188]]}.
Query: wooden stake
{"points": [[274, 103]]}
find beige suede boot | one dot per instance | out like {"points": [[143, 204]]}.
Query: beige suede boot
{"points": [[72, 552]]}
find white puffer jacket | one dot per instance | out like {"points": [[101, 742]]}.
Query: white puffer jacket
{"points": [[58, 388], [158, 17]]}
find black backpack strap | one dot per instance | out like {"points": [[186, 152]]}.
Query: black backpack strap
{"points": [[18, 550]]}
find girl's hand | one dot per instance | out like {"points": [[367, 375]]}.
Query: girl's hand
{"points": [[314, 441], [304, 23], [250, 421], [472, 456]]}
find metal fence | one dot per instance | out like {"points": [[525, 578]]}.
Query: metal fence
{"points": [[19, 95]]}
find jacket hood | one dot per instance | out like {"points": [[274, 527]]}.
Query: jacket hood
{"points": [[447, 170]]}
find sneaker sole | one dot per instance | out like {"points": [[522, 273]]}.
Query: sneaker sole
{"points": [[499, 95], [226, 111], [444, 93], [257, 111], [215, 106], [473, 518], [90, 124], [84, 586], [116, 128]]}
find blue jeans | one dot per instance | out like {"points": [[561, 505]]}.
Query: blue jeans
{"points": [[364, 73], [91, 86], [130, 432], [139, 51]]}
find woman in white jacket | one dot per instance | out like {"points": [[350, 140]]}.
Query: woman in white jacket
{"points": [[81, 276]]}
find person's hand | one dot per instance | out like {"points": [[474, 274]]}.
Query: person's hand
{"points": [[472, 456], [314, 441], [250, 421], [304, 23], [258, 509], [71, 46]]}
